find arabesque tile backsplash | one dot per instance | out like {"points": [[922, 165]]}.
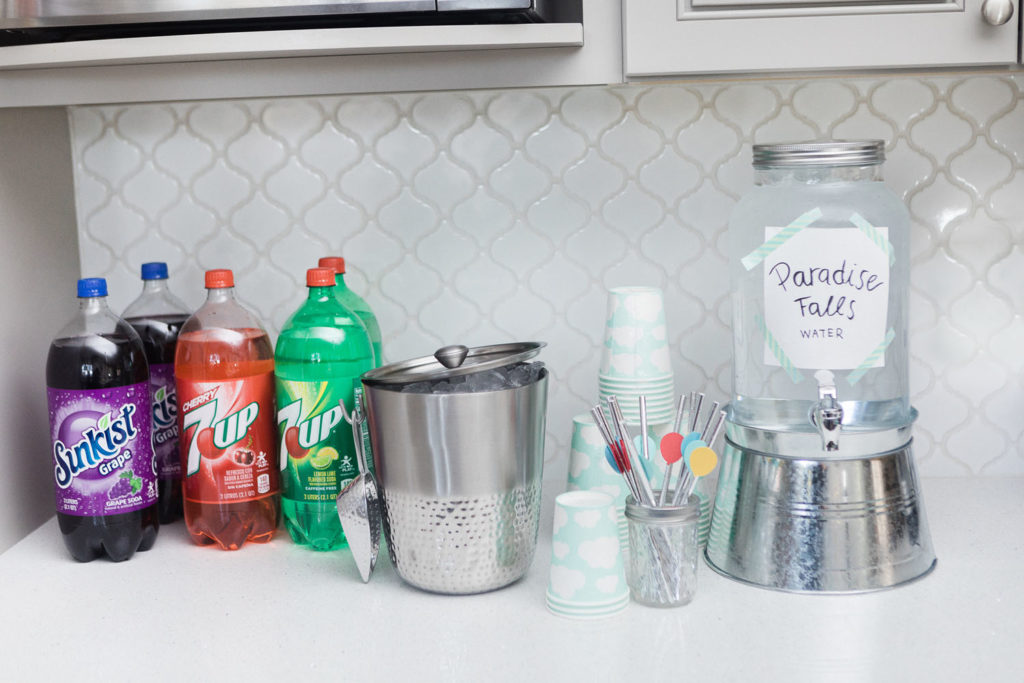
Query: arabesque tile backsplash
{"points": [[487, 216]]}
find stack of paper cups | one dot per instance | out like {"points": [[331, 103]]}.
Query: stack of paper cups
{"points": [[635, 360]]}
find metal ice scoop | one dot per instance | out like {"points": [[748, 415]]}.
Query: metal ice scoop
{"points": [[359, 501]]}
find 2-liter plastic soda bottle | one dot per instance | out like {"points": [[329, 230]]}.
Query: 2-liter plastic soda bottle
{"points": [[224, 369], [321, 352], [157, 315], [354, 303], [97, 387]]}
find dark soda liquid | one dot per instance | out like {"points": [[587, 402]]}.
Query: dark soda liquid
{"points": [[101, 362], [159, 338], [159, 335]]}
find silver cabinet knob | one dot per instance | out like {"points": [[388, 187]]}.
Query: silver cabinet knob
{"points": [[997, 12]]}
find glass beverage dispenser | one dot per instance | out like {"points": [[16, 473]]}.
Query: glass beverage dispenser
{"points": [[818, 490]]}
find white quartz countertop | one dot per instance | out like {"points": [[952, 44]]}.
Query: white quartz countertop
{"points": [[278, 611]]}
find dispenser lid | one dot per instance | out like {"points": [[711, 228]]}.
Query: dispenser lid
{"points": [[831, 153], [452, 361]]}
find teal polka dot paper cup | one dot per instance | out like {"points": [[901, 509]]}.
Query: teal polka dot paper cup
{"points": [[586, 580], [635, 337]]}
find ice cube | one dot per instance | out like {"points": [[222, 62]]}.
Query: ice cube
{"points": [[522, 374], [519, 375]]}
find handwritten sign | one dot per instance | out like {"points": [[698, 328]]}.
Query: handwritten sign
{"points": [[826, 295]]}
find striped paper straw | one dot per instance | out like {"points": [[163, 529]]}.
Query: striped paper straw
{"points": [[875, 235], [872, 358], [780, 355], [781, 237]]}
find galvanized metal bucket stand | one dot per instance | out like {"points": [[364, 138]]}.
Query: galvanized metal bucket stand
{"points": [[809, 524]]}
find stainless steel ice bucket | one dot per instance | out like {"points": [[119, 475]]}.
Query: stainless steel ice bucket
{"points": [[460, 478], [821, 525]]}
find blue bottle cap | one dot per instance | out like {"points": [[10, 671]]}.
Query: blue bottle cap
{"points": [[92, 286], [156, 270]]}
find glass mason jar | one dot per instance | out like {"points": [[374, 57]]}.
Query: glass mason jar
{"points": [[820, 272], [663, 552]]}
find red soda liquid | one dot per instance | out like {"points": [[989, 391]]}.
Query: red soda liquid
{"points": [[230, 489]]}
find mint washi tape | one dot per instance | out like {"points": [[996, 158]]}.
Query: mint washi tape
{"points": [[875, 235], [781, 237], [780, 355], [872, 358]]}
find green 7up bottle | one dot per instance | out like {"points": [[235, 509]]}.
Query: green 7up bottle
{"points": [[320, 353]]}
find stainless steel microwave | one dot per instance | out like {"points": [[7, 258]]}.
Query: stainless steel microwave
{"points": [[41, 21]]}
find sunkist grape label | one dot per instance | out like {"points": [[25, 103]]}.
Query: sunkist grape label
{"points": [[228, 442], [317, 454], [165, 420], [102, 451]]}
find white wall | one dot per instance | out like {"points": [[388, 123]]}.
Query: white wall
{"points": [[487, 216], [38, 269]]}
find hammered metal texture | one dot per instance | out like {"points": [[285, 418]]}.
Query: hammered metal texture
{"points": [[491, 216], [462, 545]]}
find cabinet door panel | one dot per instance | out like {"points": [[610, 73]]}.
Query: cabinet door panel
{"points": [[664, 37]]}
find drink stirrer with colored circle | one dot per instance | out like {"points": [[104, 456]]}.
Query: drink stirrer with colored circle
{"points": [[692, 436], [612, 452], [701, 462], [671, 448], [646, 494], [694, 444]]}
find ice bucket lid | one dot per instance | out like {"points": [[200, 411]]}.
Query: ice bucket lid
{"points": [[449, 361]]}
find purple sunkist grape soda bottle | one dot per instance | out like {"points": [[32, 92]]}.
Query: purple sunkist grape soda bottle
{"points": [[97, 387]]}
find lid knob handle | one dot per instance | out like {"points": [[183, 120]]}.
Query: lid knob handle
{"points": [[451, 356]]}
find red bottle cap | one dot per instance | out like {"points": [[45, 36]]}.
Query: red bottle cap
{"points": [[220, 278], [320, 277], [335, 262]]}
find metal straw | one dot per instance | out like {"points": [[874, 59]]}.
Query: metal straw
{"points": [[647, 495], [686, 487], [676, 426], [642, 401], [680, 409], [717, 431], [696, 412], [684, 471], [606, 434], [707, 425]]}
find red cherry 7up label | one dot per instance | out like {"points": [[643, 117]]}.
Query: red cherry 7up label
{"points": [[229, 453]]}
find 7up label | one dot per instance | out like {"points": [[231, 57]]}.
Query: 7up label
{"points": [[228, 444], [315, 441]]}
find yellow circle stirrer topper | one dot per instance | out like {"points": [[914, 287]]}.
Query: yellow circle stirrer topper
{"points": [[702, 460]]}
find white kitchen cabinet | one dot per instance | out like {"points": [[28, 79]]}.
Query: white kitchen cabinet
{"points": [[317, 62], [663, 37]]}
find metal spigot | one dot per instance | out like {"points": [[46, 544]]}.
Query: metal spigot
{"points": [[827, 415]]}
